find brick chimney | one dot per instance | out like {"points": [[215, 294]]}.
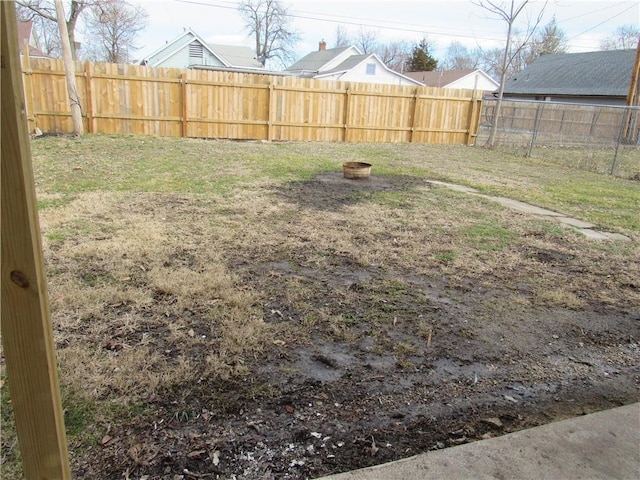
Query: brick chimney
{"points": [[322, 46]]}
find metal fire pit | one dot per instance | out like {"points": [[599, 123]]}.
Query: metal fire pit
{"points": [[356, 170]]}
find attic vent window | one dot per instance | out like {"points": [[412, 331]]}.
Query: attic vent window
{"points": [[196, 50], [371, 68]]}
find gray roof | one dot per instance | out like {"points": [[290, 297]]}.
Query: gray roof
{"points": [[313, 61], [236, 56], [439, 78], [348, 64], [606, 73]]}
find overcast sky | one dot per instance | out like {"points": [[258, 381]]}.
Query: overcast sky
{"points": [[585, 22]]}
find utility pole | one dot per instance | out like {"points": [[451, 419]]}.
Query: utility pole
{"points": [[69, 71]]}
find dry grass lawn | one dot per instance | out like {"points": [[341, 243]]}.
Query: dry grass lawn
{"points": [[186, 275]]}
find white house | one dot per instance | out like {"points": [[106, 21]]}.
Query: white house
{"points": [[347, 64], [189, 50], [469, 79]]}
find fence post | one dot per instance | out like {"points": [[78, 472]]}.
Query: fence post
{"points": [[28, 87], [536, 125], [594, 121], [185, 124], [347, 112], [414, 114], [620, 134], [27, 335], [89, 90], [473, 122], [270, 112]]}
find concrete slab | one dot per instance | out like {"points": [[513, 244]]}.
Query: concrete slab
{"points": [[524, 207], [593, 234], [616, 236], [574, 222], [583, 227], [604, 445], [453, 186]]}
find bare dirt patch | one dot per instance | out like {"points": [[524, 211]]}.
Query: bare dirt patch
{"points": [[301, 329]]}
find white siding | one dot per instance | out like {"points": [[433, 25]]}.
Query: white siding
{"points": [[382, 75], [179, 59], [475, 81]]}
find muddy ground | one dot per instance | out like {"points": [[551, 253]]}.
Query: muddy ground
{"points": [[420, 359]]}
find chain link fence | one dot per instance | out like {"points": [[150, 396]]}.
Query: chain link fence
{"points": [[598, 138]]}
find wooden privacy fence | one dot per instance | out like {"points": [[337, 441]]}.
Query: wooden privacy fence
{"points": [[132, 99]]}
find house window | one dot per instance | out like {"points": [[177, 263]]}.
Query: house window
{"points": [[371, 68], [196, 51]]}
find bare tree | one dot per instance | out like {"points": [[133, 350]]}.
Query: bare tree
{"points": [[395, 54], [269, 23], [342, 37], [113, 26], [625, 37], [459, 57], [491, 61], [509, 12], [46, 9], [46, 32], [366, 40]]}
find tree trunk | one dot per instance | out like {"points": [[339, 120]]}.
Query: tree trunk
{"points": [[69, 71], [72, 39], [503, 78]]}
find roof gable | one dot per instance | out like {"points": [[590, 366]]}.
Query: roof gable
{"points": [[455, 79], [26, 37], [323, 60], [24, 32], [354, 61], [439, 78], [229, 55], [605, 73], [351, 62]]}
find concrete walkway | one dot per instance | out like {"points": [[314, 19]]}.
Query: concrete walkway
{"points": [[586, 228], [603, 445]]}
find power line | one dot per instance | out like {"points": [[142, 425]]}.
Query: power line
{"points": [[356, 21], [593, 11], [603, 22], [403, 27]]}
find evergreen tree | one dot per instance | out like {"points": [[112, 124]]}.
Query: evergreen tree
{"points": [[552, 39], [421, 60]]}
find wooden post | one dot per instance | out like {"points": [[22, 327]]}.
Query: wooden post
{"points": [[27, 336], [28, 87], [183, 81], [89, 89], [414, 113], [473, 123], [347, 112], [633, 97], [270, 113]]}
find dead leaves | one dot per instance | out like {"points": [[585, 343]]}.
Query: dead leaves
{"points": [[143, 453]]}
